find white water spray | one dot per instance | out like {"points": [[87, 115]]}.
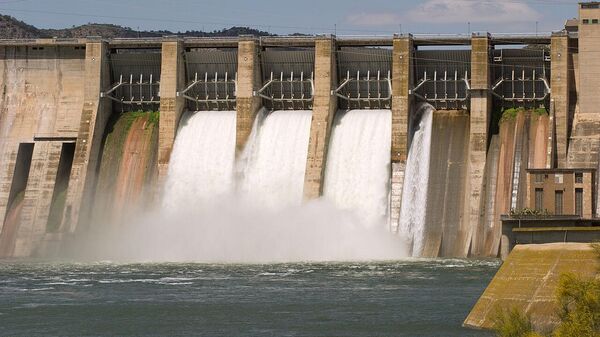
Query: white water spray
{"points": [[416, 178], [357, 176], [273, 163], [202, 162], [261, 221]]}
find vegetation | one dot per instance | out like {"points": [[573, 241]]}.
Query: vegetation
{"points": [[510, 114], [11, 28], [579, 310], [579, 307], [502, 115], [129, 117], [516, 213], [513, 323], [541, 111]]}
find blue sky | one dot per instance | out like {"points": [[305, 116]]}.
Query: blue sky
{"points": [[345, 17]]}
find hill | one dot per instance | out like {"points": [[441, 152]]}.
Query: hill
{"points": [[11, 28]]}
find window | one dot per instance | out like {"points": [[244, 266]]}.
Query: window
{"points": [[595, 21], [590, 6], [539, 199], [558, 202], [579, 201], [539, 178], [578, 178], [558, 178], [586, 21]]}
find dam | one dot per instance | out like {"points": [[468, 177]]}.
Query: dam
{"points": [[429, 137]]}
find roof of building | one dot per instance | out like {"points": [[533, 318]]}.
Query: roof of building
{"points": [[572, 25], [560, 170]]}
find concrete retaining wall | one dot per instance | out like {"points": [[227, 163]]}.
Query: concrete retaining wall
{"points": [[527, 281]]}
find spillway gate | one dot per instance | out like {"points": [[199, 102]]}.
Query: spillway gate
{"points": [[442, 78], [211, 79], [364, 78], [135, 78], [287, 78], [521, 77]]}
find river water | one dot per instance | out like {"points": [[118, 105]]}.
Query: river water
{"points": [[405, 298]]}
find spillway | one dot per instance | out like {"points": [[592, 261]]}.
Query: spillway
{"points": [[431, 215], [126, 167], [414, 192], [203, 158], [259, 216], [358, 163], [446, 232], [272, 166]]}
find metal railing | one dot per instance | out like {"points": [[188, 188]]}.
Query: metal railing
{"points": [[288, 92], [522, 88], [134, 90], [368, 91], [217, 92], [448, 90]]}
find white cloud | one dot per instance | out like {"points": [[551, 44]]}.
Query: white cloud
{"points": [[374, 19], [461, 11]]}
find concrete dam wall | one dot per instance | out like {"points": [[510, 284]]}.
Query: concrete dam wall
{"points": [[41, 104], [75, 146]]}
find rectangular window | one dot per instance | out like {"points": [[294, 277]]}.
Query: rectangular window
{"points": [[595, 21], [586, 21], [539, 199], [539, 178], [558, 178], [579, 201], [558, 202], [578, 178]]}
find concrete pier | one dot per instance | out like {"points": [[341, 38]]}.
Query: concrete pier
{"points": [[559, 82], [402, 82], [324, 108], [172, 79], [481, 106], [94, 115], [248, 81]]}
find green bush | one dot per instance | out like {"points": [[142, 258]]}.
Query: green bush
{"points": [[516, 213], [579, 303], [512, 323], [541, 111], [579, 310], [512, 113]]}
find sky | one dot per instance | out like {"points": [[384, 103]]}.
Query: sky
{"points": [[341, 17]]}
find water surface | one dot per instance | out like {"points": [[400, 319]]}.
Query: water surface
{"points": [[406, 298]]}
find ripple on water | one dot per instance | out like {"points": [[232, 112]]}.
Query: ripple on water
{"points": [[189, 297]]}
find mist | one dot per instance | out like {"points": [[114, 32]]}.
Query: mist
{"points": [[233, 230]]}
